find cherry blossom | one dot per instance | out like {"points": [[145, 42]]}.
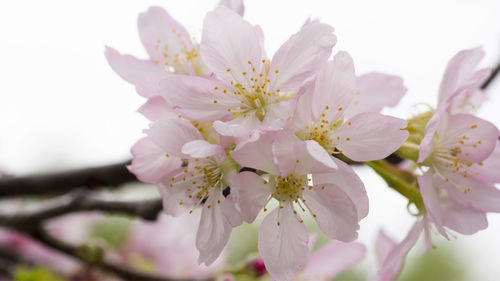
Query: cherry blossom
{"points": [[298, 180], [205, 173], [326, 114], [247, 86]]}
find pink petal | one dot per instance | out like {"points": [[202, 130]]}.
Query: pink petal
{"points": [[235, 5], [299, 57], [229, 43], [463, 220], [202, 149], [374, 91], [487, 170], [332, 259], [432, 201], [231, 129], [216, 224], [157, 108], [458, 71], [241, 125], [391, 266], [172, 134], [335, 212], [300, 157], [370, 136], [195, 97], [257, 153], [164, 38], [478, 196], [345, 178], [150, 163], [476, 138], [303, 115], [277, 114], [173, 195], [427, 143], [383, 246], [145, 75], [252, 192], [334, 88], [282, 246]]}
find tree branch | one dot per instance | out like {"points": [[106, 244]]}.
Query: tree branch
{"points": [[493, 74], [112, 175], [42, 236], [76, 201]]}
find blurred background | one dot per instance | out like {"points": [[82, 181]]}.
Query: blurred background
{"points": [[62, 107]]}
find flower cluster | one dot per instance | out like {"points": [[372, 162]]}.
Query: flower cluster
{"points": [[458, 159], [237, 133]]}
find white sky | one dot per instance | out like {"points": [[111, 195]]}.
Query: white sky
{"points": [[61, 105]]}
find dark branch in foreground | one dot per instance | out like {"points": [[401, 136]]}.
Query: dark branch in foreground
{"points": [[31, 223], [112, 175], [45, 238], [80, 200]]}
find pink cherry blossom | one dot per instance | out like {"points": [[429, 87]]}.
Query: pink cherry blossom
{"points": [[174, 253], [170, 50], [321, 116], [330, 260], [390, 256], [33, 251], [247, 86], [205, 173], [461, 82], [374, 91], [299, 181], [453, 148]]}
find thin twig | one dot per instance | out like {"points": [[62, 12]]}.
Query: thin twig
{"points": [[493, 74]]}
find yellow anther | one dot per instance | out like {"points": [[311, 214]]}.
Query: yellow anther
{"points": [[473, 126], [215, 101], [229, 69], [276, 71]]}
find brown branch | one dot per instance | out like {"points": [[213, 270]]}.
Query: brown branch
{"points": [[90, 178], [42, 236], [31, 223], [80, 200]]}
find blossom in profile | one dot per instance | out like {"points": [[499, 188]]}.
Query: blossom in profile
{"points": [[247, 89], [457, 188], [459, 159]]}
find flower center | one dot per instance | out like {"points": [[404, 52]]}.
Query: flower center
{"points": [[201, 179], [253, 89]]}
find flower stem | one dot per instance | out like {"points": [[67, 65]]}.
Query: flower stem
{"points": [[404, 182]]}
